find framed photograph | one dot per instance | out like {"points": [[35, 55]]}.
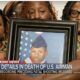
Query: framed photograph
{"points": [[57, 39]]}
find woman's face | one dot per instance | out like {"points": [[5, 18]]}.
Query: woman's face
{"points": [[37, 10], [75, 14], [1, 28]]}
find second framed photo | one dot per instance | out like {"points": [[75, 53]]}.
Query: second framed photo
{"points": [[42, 41]]}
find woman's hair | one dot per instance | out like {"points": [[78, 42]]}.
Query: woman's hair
{"points": [[67, 9], [9, 8], [4, 21], [50, 7]]}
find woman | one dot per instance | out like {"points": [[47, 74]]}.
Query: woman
{"points": [[20, 9], [39, 10], [3, 36], [72, 12]]}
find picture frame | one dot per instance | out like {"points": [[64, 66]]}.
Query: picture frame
{"points": [[61, 38]]}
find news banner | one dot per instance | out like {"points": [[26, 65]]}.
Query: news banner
{"points": [[19, 67]]}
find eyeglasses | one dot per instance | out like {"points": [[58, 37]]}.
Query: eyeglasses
{"points": [[74, 13]]}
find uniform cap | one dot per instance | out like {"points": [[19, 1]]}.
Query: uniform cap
{"points": [[39, 42]]}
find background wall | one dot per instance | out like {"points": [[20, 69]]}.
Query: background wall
{"points": [[59, 5]]}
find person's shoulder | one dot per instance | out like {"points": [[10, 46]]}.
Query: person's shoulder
{"points": [[28, 60]]}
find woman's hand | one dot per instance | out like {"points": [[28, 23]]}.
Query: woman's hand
{"points": [[2, 55]]}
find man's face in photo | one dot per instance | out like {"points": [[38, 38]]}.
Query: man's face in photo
{"points": [[37, 55]]}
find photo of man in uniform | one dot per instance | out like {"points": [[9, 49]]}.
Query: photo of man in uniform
{"points": [[38, 51]]}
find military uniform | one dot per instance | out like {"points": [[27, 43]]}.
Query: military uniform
{"points": [[28, 60]]}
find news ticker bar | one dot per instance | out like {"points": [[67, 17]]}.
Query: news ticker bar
{"points": [[11, 61], [19, 67]]}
